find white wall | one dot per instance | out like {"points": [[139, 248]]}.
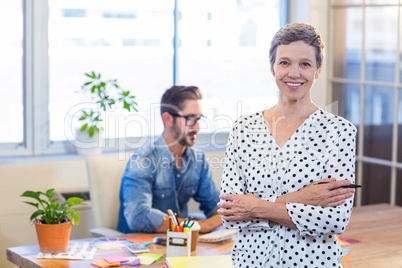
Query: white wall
{"points": [[315, 12]]}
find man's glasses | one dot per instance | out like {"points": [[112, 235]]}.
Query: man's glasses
{"points": [[191, 120]]}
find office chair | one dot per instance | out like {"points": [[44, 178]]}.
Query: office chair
{"points": [[104, 173]]}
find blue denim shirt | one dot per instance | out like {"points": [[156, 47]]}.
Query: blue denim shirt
{"points": [[148, 187]]}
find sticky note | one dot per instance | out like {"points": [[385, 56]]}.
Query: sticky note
{"points": [[142, 239], [114, 259], [103, 263], [149, 258], [132, 261]]}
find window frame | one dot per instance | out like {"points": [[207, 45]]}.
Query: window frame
{"points": [[363, 83]]}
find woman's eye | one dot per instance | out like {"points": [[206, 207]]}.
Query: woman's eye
{"points": [[283, 63], [306, 64]]}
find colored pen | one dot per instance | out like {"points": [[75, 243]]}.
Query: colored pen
{"points": [[167, 221], [177, 218], [346, 186], [173, 217]]}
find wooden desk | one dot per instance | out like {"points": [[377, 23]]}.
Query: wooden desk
{"points": [[24, 256], [379, 230], [377, 227]]}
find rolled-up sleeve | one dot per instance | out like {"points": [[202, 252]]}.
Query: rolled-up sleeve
{"points": [[234, 182], [316, 220]]}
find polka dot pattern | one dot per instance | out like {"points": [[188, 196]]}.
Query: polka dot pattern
{"points": [[322, 147]]}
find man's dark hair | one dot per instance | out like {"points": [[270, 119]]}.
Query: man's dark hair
{"points": [[173, 99]]}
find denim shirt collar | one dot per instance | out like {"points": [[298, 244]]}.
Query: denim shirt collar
{"points": [[163, 151]]}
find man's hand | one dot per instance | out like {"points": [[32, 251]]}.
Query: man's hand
{"points": [[210, 224], [324, 195]]}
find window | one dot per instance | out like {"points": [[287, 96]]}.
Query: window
{"points": [[148, 46], [224, 49], [366, 82], [11, 70]]}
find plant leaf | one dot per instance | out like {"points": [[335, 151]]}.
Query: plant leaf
{"points": [[72, 201], [31, 194], [36, 214], [91, 131], [33, 204], [49, 193], [74, 215], [83, 127], [126, 106]]}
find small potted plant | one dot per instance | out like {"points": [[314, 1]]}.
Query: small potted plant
{"points": [[106, 94], [53, 219]]}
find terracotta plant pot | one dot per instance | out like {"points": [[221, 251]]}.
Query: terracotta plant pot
{"points": [[53, 238]]}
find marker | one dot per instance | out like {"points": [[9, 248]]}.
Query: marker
{"points": [[346, 186]]}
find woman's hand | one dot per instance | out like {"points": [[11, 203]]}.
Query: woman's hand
{"points": [[324, 195], [241, 208]]}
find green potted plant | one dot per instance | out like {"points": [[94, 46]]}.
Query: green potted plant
{"points": [[107, 95], [53, 219]]}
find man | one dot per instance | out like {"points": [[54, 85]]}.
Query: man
{"points": [[167, 173]]}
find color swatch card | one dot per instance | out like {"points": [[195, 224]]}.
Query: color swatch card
{"points": [[345, 253], [343, 241], [109, 243], [75, 251]]}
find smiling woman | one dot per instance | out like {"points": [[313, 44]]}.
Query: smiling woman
{"points": [[273, 160]]}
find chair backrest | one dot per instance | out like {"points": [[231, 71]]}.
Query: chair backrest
{"points": [[104, 173]]}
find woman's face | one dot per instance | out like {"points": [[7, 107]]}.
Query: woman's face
{"points": [[295, 70]]}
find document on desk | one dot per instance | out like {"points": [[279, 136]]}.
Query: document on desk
{"points": [[75, 251], [221, 261]]}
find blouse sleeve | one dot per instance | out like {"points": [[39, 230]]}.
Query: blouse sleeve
{"points": [[340, 164], [234, 181]]}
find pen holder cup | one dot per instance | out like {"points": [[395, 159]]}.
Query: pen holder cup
{"points": [[194, 239], [178, 244]]}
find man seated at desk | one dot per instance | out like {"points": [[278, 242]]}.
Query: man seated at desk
{"points": [[168, 172]]}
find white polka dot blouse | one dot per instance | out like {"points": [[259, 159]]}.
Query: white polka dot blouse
{"points": [[322, 147]]}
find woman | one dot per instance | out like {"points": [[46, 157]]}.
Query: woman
{"points": [[275, 159]]}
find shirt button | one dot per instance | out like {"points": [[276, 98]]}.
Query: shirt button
{"points": [[163, 195], [193, 191], [178, 175]]}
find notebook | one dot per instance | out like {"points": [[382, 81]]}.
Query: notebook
{"points": [[221, 261], [218, 236]]}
